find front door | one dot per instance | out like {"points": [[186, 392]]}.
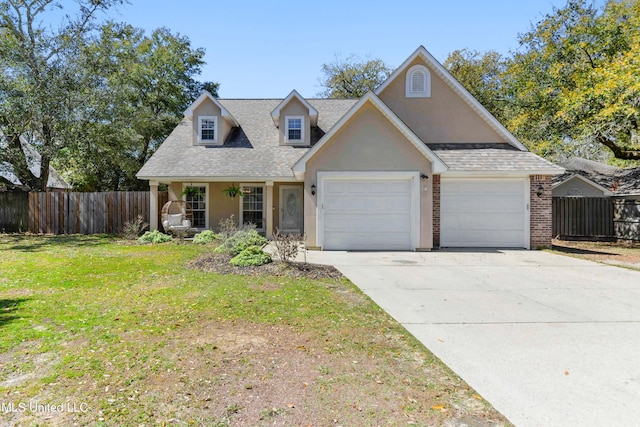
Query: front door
{"points": [[291, 212]]}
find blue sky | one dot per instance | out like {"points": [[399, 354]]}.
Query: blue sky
{"points": [[264, 49]]}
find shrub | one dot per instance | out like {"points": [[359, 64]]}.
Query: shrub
{"points": [[132, 229], [240, 241], [287, 245], [154, 236], [227, 227], [207, 236], [251, 256]]}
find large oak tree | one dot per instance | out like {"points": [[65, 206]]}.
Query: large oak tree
{"points": [[94, 100], [576, 79]]}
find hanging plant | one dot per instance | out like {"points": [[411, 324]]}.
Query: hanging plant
{"points": [[232, 191], [191, 191]]}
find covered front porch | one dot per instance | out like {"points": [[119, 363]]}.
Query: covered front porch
{"points": [[270, 205]]}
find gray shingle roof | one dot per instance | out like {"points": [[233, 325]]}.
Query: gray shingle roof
{"points": [[620, 181], [491, 158], [252, 150], [33, 158]]}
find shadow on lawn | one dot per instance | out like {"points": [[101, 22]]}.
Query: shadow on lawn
{"points": [[580, 251], [34, 243], [8, 308]]}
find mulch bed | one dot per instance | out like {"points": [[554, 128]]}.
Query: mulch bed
{"points": [[219, 263]]}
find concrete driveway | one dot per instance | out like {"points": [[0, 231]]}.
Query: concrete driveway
{"points": [[548, 340]]}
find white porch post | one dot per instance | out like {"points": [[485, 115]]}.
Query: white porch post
{"points": [[269, 207], [153, 205]]}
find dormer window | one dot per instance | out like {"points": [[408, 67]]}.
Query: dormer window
{"points": [[418, 82], [294, 128], [208, 129]]}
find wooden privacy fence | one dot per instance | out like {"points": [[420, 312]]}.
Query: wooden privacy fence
{"points": [[583, 217], [14, 212], [626, 219], [88, 213]]}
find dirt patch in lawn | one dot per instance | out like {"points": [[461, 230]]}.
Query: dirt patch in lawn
{"points": [[219, 263], [246, 374], [623, 253]]}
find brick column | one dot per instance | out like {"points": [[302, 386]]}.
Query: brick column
{"points": [[541, 212], [436, 211]]}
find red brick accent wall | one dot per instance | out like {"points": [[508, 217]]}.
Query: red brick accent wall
{"points": [[541, 212], [436, 211]]}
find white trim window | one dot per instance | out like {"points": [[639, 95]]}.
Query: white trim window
{"points": [[252, 204], [197, 200], [294, 129], [208, 129], [418, 83]]}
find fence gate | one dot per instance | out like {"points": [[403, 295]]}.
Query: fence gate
{"points": [[14, 212]]}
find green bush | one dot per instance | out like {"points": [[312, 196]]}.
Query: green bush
{"points": [[251, 256], [207, 236], [154, 236], [241, 240]]}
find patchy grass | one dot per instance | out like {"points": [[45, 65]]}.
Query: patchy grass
{"points": [[122, 334], [621, 253]]}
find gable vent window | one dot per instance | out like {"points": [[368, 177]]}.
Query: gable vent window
{"points": [[418, 82], [208, 129], [294, 129]]}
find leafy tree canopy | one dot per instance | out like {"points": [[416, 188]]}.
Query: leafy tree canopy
{"points": [[585, 63], [352, 77], [573, 87], [95, 101], [482, 75]]}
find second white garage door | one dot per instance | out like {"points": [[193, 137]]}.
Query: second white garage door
{"points": [[374, 213], [484, 213]]}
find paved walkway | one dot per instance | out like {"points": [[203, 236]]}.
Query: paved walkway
{"points": [[548, 340]]}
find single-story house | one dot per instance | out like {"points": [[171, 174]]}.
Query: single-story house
{"points": [[55, 182], [414, 165], [587, 178]]}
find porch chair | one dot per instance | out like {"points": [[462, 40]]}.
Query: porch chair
{"points": [[177, 217]]}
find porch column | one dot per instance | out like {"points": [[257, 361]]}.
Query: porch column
{"points": [[153, 205], [269, 207]]}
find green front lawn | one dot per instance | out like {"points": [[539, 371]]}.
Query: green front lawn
{"points": [[100, 332]]}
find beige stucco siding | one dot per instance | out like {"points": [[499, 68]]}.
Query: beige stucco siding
{"points": [[208, 108], [442, 118], [295, 108], [369, 142]]}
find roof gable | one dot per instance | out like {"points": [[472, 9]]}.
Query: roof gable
{"points": [[313, 113], [438, 166], [422, 54], [207, 96], [33, 159], [578, 177]]}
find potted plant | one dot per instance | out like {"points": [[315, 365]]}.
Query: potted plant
{"points": [[190, 191], [232, 191]]}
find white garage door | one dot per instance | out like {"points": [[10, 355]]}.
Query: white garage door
{"points": [[367, 214], [484, 213]]}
